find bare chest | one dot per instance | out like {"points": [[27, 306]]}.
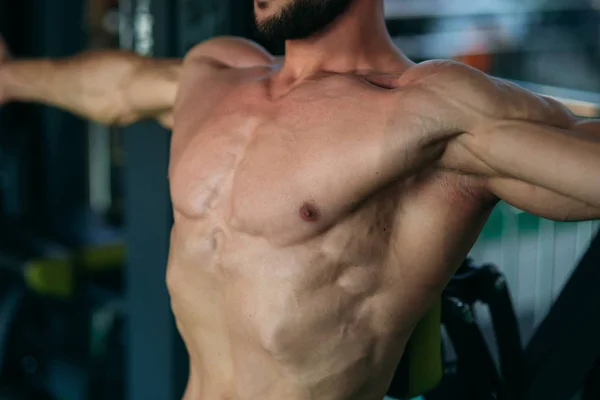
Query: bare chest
{"points": [[288, 169]]}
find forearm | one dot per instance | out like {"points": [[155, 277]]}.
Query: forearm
{"points": [[111, 87], [563, 161]]}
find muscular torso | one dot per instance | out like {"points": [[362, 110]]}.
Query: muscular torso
{"points": [[303, 253]]}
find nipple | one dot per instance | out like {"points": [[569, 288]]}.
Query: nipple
{"points": [[309, 213]]}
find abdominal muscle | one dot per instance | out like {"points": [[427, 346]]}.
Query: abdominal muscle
{"points": [[304, 322]]}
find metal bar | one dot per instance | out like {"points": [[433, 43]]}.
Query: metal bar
{"points": [[156, 358], [152, 361], [565, 347], [477, 365], [581, 103], [580, 108], [395, 9]]}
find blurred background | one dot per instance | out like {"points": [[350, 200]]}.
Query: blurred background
{"points": [[85, 214]]}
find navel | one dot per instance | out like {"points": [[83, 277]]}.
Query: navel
{"points": [[309, 212]]}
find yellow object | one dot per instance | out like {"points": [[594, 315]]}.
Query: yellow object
{"points": [[102, 258], [56, 277], [425, 348], [51, 277]]}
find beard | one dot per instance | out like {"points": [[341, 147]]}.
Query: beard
{"points": [[301, 19]]}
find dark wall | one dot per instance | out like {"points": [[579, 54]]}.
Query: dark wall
{"points": [[43, 153]]}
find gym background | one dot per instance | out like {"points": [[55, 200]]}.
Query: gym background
{"points": [[85, 213]]}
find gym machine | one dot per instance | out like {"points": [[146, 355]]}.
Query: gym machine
{"points": [[564, 354], [156, 362], [563, 357], [472, 374]]}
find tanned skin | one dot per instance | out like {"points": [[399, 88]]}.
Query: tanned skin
{"points": [[322, 202]]}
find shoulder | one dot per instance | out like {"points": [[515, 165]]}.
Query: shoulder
{"points": [[440, 82], [204, 63], [435, 68], [461, 79], [449, 75], [490, 95], [229, 51]]}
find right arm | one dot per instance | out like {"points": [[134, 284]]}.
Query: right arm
{"points": [[119, 87], [111, 87]]}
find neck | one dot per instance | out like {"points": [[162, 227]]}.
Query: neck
{"points": [[358, 41]]}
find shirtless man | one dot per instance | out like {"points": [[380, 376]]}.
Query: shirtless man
{"points": [[322, 202]]}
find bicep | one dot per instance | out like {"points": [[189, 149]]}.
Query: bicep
{"points": [[549, 203], [525, 196], [563, 161], [546, 171], [542, 202]]}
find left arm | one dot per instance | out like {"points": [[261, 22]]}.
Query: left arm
{"points": [[529, 150], [551, 172]]}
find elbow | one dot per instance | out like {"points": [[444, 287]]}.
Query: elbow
{"points": [[115, 110], [114, 115], [111, 118], [123, 119]]}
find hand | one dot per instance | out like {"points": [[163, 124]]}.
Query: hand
{"points": [[4, 58]]}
